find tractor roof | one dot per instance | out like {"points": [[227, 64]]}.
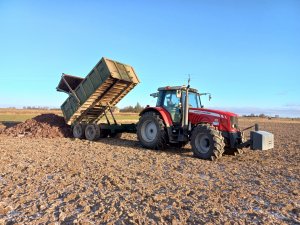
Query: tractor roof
{"points": [[183, 87]]}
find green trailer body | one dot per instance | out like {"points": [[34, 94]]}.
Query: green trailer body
{"points": [[90, 98]]}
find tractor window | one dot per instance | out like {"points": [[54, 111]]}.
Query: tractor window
{"points": [[171, 99], [171, 104], [193, 99]]}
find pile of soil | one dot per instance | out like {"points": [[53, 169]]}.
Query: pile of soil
{"points": [[45, 125]]}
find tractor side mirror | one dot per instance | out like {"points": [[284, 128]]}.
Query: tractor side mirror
{"points": [[154, 95], [209, 95]]}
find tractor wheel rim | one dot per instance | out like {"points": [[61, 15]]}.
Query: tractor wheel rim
{"points": [[149, 131], [202, 143]]}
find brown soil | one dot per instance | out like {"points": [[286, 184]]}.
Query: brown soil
{"points": [[45, 126], [77, 181], [2, 127]]}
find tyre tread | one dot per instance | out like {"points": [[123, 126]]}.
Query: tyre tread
{"points": [[162, 139], [218, 140]]}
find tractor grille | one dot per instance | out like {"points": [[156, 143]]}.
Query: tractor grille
{"points": [[234, 122]]}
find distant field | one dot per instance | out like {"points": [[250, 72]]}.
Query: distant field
{"points": [[123, 117], [20, 115], [272, 120]]}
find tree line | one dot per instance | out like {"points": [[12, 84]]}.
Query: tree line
{"points": [[260, 115], [39, 108], [133, 109]]}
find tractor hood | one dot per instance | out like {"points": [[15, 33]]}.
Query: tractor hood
{"points": [[225, 121], [211, 112]]}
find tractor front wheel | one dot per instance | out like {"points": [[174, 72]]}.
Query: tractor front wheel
{"points": [[207, 142], [151, 131], [234, 151]]}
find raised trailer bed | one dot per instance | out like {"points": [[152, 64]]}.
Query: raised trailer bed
{"points": [[92, 98]]}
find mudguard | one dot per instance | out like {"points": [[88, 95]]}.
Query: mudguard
{"points": [[162, 112]]}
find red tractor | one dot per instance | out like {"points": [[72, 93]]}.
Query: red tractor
{"points": [[179, 118]]}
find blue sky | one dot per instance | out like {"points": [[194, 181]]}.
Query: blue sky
{"points": [[246, 53]]}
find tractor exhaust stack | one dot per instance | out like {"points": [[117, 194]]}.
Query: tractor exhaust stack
{"points": [[185, 119]]}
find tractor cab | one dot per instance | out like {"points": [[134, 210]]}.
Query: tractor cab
{"points": [[172, 99]]}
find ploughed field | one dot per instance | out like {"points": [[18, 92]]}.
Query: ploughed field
{"points": [[70, 181]]}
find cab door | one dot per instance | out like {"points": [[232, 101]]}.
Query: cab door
{"points": [[173, 105]]}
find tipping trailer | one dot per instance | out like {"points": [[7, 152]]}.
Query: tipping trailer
{"points": [[92, 98]]}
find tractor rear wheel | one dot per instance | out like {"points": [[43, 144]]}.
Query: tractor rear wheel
{"points": [[92, 132], [78, 131], [207, 142], [151, 131]]}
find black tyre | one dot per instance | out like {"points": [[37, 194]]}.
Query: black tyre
{"points": [[79, 131], [92, 132], [234, 151], [151, 131], [115, 135], [207, 142]]}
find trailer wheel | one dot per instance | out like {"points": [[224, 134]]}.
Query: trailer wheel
{"points": [[207, 142], [92, 132], [151, 131], [78, 131]]}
